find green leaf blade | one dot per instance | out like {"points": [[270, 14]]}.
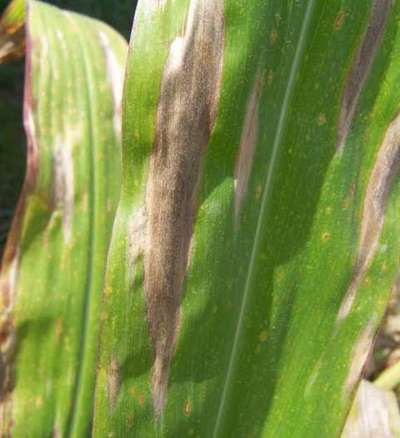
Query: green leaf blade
{"points": [[60, 234], [263, 346]]}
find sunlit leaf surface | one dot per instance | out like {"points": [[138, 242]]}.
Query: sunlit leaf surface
{"points": [[53, 267]]}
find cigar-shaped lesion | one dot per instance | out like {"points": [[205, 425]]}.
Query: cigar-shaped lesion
{"points": [[384, 172], [185, 118], [361, 67]]}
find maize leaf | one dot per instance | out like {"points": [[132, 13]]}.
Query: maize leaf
{"points": [[257, 236], [53, 266], [12, 32]]}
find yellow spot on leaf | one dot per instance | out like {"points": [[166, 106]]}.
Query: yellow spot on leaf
{"points": [[259, 190], [59, 327], [270, 77], [132, 391], [340, 19], [326, 236], [187, 408], [273, 36], [321, 119], [263, 336], [367, 281], [39, 402], [279, 274]]}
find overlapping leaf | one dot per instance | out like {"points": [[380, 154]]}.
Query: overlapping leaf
{"points": [[52, 271]]}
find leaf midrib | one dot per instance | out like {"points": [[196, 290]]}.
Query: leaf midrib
{"points": [[263, 209]]}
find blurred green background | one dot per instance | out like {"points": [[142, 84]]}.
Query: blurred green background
{"points": [[118, 14]]}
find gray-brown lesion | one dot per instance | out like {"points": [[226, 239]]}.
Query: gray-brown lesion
{"points": [[360, 68], [359, 355], [63, 184], [384, 172], [248, 143], [113, 381], [185, 118]]}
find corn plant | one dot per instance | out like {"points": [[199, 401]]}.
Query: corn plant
{"points": [[225, 271], [53, 265]]}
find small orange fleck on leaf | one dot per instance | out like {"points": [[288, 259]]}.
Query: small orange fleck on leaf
{"points": [[187, 409], [263, 336], [341, 17], [321, 119], [326, 236], [132, 391], [59, 327], [279, 274], [273, 36], [270, 77]]}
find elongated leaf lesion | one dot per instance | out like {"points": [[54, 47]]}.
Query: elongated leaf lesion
{"points": [[386, 169], [362, 63], [185, 118]]}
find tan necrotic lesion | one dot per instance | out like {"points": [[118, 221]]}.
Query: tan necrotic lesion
{"points": [[185, 118], [248, 143], [361, 67], [383, 174]]}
